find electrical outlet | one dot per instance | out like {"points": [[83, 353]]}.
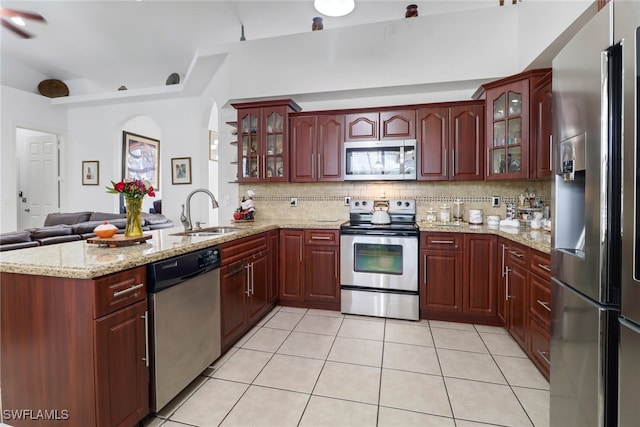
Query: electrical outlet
{"points": [[347, 201], [294, 202], [495, 201]]}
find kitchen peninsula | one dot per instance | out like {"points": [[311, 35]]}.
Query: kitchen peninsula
{"points": [[70, 345]]}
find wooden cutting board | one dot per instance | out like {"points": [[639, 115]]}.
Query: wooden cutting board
{"points": [[118, 240]]}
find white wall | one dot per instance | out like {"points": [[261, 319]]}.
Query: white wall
{"points": [[96, 132], [29, 111]]}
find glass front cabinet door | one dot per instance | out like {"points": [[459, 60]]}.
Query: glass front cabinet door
{"points": [[508, 131], [262, 140]]}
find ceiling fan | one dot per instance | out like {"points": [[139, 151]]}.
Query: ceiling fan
{"points": [[8, 17]]}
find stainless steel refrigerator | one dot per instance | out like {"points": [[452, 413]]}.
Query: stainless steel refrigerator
{"points": [[595, 324]]}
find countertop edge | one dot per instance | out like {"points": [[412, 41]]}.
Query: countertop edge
{"points": [[100, 260]]}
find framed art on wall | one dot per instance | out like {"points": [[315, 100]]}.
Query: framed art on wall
{"points": [[213, 145], [90, 172], [181, 170], [140, 158]]}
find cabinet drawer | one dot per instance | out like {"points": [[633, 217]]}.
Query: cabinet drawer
{"points": [[119, 290], [540, 264], [321, 237], [238, 249], [539, 347], [540, 300], [442, 241], [518, 254]]}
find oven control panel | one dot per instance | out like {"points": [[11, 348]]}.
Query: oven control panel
{"points": [[396, 206]]}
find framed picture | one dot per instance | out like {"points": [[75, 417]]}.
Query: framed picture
{"points": [[181, 170], [140, 158], [90, 172], [213, 145]]}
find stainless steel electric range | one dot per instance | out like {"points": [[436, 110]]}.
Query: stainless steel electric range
{"points": [[379, 261]]}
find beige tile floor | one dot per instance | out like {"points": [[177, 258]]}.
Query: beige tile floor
{"points": [[302, 367]]}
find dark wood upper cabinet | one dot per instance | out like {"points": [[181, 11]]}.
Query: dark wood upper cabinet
{"points": [[398, 124], [451, 142], [362, 126], [433, 140], [541, 128], [392, 124], [509, 123], [316, 148], [263, 140]]}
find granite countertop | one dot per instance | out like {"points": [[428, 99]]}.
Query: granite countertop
{"points": [[82, 260], [536, 239]]}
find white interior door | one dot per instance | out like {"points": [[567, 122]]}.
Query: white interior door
{"points": [[38, 186]]}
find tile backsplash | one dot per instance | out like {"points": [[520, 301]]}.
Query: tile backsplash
{"points": [[325, 201]]}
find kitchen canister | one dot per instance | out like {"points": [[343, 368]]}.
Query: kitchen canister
{"points": [[493, 220], [431, 215], [475, 216], [445, 214]]}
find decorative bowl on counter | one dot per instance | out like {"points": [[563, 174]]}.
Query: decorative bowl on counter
{"points": [[105, 230]]}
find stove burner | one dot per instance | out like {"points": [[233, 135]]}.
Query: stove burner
{"points": [[401, 212]]}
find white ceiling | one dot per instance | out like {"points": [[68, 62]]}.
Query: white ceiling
{"points": [[109, 43]]}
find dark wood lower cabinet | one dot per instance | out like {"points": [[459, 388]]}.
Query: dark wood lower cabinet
{"points": [[291, 267], [457, 277], [75, 348], [517, 299], [479, 292], [310, 268], [246, 278], [539, 306], [121, 371]]}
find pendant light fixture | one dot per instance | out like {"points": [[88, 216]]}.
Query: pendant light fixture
{"points": [[334, 7]]}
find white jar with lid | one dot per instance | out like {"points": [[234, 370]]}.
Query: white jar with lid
{"points": [[445, 214], [431, 215]]}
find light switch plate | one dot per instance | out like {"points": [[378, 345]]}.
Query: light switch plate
{"points": [[294, 202], [347, 201], [495, 201]]}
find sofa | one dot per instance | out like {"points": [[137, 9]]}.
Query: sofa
{"points": [[71, 226]]}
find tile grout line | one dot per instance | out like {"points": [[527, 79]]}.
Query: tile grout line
{"points": [[324, 363]]}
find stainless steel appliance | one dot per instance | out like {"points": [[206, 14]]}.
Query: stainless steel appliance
{"points": [[393, 160], [184, 329], [595, 196], [379, 262]]}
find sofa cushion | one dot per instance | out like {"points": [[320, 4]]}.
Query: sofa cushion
{"points": [[150, 219], [104, 216], [66, 218], [58, 239], [18, 245], [15, 237], [53, 231]]}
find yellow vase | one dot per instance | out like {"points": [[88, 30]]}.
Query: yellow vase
{"points": [[134, 217]]}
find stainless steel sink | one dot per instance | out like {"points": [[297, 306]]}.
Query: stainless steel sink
{"points": [[210, 231]]}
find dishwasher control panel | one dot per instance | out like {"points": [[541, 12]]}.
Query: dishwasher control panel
{"points": [[209, 258], [172, 271]]}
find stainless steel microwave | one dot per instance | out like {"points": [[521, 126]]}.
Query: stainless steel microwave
{"points": [[393, 160]]}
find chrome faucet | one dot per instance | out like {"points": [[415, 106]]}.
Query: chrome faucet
{"points": [[186, 221]]}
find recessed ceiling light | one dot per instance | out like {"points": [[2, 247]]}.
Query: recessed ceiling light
{"points": [[18, 21], [334, 7]]}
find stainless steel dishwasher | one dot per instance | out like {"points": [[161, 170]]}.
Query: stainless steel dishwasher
{"points": [[184, 321]]}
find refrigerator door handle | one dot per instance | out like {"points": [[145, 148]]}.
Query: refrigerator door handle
{"points": [[624, 322]]}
